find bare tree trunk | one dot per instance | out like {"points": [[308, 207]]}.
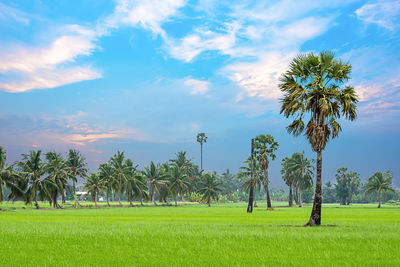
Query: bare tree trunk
{"points": [[315, 218], [250, 204], [290, 196], [266, 187], [300, 199]]}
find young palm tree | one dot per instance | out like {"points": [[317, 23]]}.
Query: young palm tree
{"points": [[312, 90], [177, 182], [380, 183], [32, 168], [302, 171], [288, 177], [58, 173], [209, 188], [201, 138], [106, 175], [8, 177], [157, 179], [121, 172], [245, 173], [77, 164], [94, 186], [264, 147]]}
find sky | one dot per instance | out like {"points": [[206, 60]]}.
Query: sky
{"points": [[146, 76]]}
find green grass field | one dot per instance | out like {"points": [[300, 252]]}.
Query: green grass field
{"points": [[196, 235]]}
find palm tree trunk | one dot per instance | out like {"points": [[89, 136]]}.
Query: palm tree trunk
{"points": [[95, 199], [296, 195], [154, 200], [119, 197], [209, 202], [379, 199], [141, 201], [300, 200], [201, 156], [290, 196], [108, 198], [131, 204], [255, 198], [176, 201], [182, 198], [266, 182], [250, 204], [315, 218], [36, 200]]}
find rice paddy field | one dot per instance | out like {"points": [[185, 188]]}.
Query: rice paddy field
{"points": [[196, 235]]}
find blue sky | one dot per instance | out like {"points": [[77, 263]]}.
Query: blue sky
{"points": [[146, 76]]}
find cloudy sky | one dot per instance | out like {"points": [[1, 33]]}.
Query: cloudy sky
{"points": [[146, 76]]}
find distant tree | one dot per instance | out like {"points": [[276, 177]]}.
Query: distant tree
{"points": [[347, 183], [201, 138], [329, 193], [8, 177], [106, 175], [77, 164], [288, 177], [264, 147], [94, 187], [135, 184], [33, 169], [121, 172], [58, 175], [302, 170], [209, 188], [245, 174], [157, 179], [178, 183], [355, 183], [380, 183], [312, 89]]}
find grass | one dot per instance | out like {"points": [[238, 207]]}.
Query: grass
{"points": [[195, 235]]}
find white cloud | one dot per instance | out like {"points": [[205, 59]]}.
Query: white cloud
{"points": [[197, 86], [383, 13], [149, 14], [261, 78]]}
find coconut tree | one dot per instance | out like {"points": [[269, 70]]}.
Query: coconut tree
{"points": [[178, 183], [288, 177], [302, 170], [135, 184], [264, 147], [58, 174], [32, 168], [355, 183], [201, 138], [314, 89], [106, 175], [380, 183], [8, 177], [245, 173], [94, 186], [157, 179], [121, 171], [77, 164], [209, 188]]}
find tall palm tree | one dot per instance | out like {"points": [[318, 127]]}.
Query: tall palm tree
{"points": [[314, 89], [177, 182], [302, 170], [106, 175], [245, 173], [380, 183], [264, 147], [209, 188], [8, 177], [201, 138], [77, 164], [135, 184], [121, 172], [94, 187], [157, 179], [32, 168], [58, 173]]}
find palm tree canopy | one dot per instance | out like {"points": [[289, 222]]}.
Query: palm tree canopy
{"points": [[209, 187], [201, 138], [77, 164], [93, 185], [301, 170], [314, 86], [379, 182], [178, 180]]}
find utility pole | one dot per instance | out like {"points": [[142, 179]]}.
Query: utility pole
{"points": [[251, 196]]}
